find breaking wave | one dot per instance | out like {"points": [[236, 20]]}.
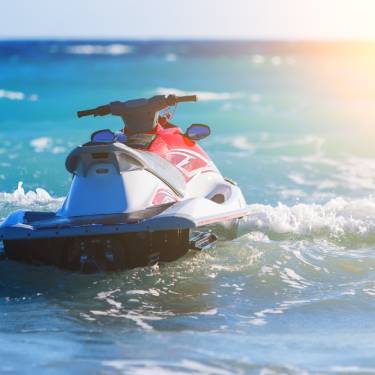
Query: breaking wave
{"points": [[338, 219]]}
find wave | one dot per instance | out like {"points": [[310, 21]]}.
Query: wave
{"points": [[99, 49], [39, 199], [202, 95], [17, 95], [337, 219]]}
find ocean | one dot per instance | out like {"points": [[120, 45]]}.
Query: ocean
{"points": [[293, 123]]}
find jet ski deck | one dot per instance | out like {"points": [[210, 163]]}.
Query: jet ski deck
{"points": [[33, 225], [105, 252]]}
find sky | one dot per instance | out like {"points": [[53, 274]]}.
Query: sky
{"points": [[188, 19]]}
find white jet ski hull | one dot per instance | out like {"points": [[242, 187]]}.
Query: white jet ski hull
{"points": [[134, 200]]}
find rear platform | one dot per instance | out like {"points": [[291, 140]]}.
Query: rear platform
{"points": [[101, 253]]}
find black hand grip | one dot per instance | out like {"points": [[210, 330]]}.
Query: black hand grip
{"points": [[173, 99], [87, 112], [187, 98], [99, 111]]}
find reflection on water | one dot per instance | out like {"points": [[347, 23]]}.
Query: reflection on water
{"points": [[242, 292]]}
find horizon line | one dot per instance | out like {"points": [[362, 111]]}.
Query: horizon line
{"points": [[183, 39]]}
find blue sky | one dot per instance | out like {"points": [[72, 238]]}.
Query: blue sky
{"points": [[186, 19]]}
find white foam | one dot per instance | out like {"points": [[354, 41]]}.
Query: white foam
{"points": [[140, 319], [337, 217], [33, 97], [290, 60], [12, 95], [287, 304], [58, 150], [258, 59], [257, 322], [258, 237], [98, 49], [147, 367], [104, 295], [171, 57], [209, 312], [86, 317], [369, 291], [239, 142], [20, 198], [263, 313], [259, 318], [135, 292], [46, 144], [17, 95], [114, 303], [290, 277], [41, 144], [202, 95], [276, 60], [152, 291], [255, 98]]}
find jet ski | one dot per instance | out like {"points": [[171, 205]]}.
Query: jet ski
{"points": [[145, 194]]}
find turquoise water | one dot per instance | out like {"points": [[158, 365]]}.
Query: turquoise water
{"points": [[292, 123]]}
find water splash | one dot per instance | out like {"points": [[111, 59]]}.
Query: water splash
{"points": [[39, 199], [338, 218]]}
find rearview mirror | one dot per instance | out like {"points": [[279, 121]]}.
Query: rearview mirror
{"points": [[197, 132], [103, 136]]}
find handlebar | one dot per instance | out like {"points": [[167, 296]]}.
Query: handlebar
{"points": [[173, 99], [166, 101], [187, 98]]}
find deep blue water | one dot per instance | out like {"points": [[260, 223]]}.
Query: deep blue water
{"points": [[292, 123]]}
